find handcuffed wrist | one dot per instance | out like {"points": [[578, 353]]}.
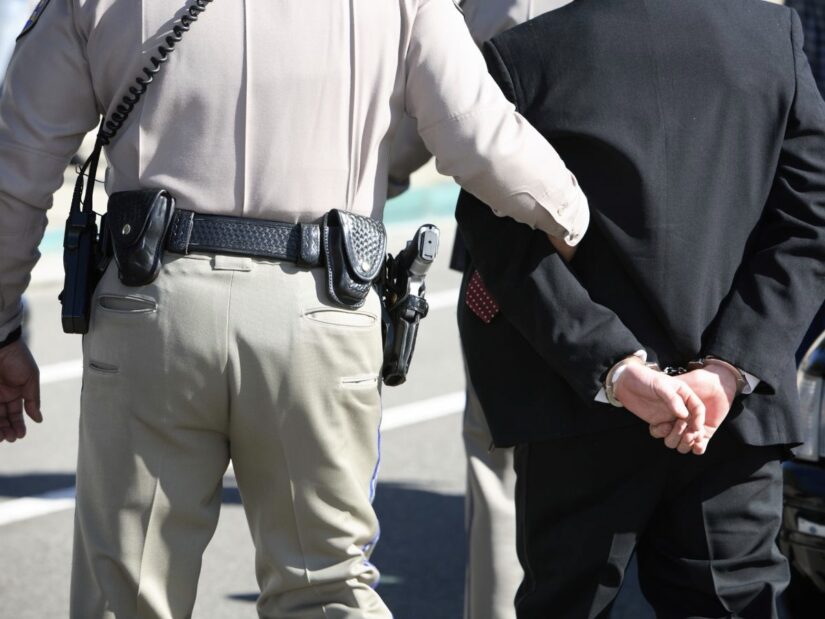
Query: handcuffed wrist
{"points": [[741, 381], [615, 373]]}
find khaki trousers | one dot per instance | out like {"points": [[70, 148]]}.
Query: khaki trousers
{"points": [[493, 570], [227, 358]]}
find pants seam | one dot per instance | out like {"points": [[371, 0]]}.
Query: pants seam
{"points": [[146, 537], [295, 514]]}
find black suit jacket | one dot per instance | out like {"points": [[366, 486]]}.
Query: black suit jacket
{"points": [[698, 134]]}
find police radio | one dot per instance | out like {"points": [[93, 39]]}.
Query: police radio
{"points": [[403, 300], [85, 250]]}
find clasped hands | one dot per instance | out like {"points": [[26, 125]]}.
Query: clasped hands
{"points": [[684, 410]]}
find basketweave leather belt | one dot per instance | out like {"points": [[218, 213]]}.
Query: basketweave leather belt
{"points": [[222, 234]]}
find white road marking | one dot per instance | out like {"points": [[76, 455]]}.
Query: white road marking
{"points": [[57, 372], [34, 506], [19, 510], [423, 410]]}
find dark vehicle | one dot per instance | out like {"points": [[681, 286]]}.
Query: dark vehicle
{"points": [[802, 538]]}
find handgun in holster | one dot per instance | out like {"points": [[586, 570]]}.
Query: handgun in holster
{"points": [[404, 308]]}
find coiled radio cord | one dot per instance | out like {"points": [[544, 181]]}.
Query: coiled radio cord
{"points": [[109, 128]]}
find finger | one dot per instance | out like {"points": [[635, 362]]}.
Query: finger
{"points": [[689, 440], [696, 421], [673, 439], [14, 413], [5, 425], [686, 444], [660, 430], [666, 389], [31, 393], [695, 406], [700, 446]]}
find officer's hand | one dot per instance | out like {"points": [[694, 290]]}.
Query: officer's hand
{"points": [[716, 386], [659, 399], [19, 389]]}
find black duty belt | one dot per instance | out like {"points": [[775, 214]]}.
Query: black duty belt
{"points": [[221, 234]]}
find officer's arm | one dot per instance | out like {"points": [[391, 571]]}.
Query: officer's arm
{"points": [[408, 154], [47, 106], [781, 283], [538, 294], [475, 133], [484, 19]]}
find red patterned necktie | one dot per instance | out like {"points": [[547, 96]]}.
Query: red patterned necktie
{"points": [[479, 299]]}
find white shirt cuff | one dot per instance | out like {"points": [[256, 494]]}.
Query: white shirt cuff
{"points": [[752, 381]]}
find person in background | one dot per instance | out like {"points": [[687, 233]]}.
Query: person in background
{"points": [[493, 572]]}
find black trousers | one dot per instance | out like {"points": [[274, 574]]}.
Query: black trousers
{"points": [[703, 527]]}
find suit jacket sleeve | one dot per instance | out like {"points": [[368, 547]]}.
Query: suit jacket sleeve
{"points": [[781, 283], [538, 294]]}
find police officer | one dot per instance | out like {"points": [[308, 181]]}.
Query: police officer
{"points": [[266, 111], [493, 572]]}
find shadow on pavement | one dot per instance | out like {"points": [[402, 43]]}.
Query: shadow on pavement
{"points": [[421, 552], [19, 486]]}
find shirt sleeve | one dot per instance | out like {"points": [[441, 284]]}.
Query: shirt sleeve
{"points": [[476, 135], [46, 108], [407, 155]]}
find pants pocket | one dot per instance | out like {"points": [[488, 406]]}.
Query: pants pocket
{"points": [[341, 317], [364, 381], [127, 304]]}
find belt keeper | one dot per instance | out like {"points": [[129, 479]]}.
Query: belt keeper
{"points": [[181, 232], [309, 254]]}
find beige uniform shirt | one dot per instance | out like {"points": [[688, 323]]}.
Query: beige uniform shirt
{"points": [[276, 109], [484, 19]]}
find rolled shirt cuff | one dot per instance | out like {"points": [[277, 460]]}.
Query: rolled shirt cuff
{"points": [[566, 218]]}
